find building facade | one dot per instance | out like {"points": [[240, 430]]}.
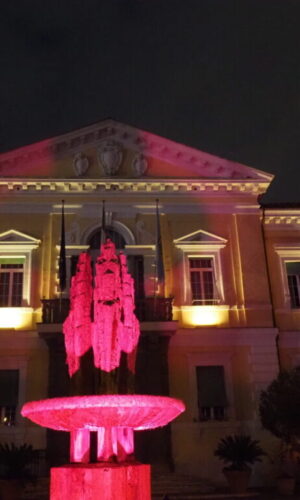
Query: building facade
{"points": [[230, 314]]}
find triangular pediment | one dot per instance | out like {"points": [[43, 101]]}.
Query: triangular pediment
{"points": [[115, 150], [200, 237], [16, 237]]}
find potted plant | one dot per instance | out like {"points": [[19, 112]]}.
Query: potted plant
{"points": [[286, 481], [280, 414], [14, 469], [238, 452]]}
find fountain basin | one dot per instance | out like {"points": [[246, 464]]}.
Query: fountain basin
{"points": [[138, 412]]}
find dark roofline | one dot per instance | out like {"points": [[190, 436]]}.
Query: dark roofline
{"points": [[274, 205]]}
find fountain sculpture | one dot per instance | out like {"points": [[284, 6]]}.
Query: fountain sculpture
{"points": [[102, 317]]}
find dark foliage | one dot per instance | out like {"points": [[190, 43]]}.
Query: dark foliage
{"points": [[280, 406], [239, 451], [15, 461]]}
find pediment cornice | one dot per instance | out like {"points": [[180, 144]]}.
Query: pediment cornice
{"points": [[18, 239], [200, 238], [200, 164]]}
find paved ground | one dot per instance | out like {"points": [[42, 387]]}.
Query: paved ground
{"points": [[270, 495], [266, 495], [41, 492]]}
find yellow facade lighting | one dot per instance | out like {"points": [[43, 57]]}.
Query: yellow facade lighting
{"points": [[18, 318]]}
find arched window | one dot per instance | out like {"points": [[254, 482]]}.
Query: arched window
{"points": [[95, 238], [135, 262], [94, 245]]}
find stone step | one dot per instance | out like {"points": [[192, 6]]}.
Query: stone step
{"points": [[38, 490], [175, 484], [211, 496]]}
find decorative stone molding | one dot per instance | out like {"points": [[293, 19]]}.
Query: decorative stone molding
{"points": [[139, 165], [282, 217], [200, 164], [182, 186], [12, 240], [81, 164], [110, 154], [200, 239]]}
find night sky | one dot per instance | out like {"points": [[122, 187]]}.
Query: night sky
{"points": [[219, 75]]}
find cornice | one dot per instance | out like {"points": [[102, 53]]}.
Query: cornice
{"points": [[196, 246], [15, 240], [200, 237], [178, 186], [287, 250], [282, 217], [148, 144]]}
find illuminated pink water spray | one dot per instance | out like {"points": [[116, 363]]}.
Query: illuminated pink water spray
{"points": [[114, 328]]}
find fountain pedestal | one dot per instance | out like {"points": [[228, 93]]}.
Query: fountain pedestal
{"points": [[101, 481]]}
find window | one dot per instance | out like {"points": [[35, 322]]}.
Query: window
{"points": [[11, 281], [16, 253], [202, 281], [212, 399], [9, 394], [94, 242], [95, 239], [135, 266], [135, 262], [293, 276], [289, 262]]}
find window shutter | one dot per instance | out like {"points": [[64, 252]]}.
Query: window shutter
{"points": [[211, 386], [9, 387]]}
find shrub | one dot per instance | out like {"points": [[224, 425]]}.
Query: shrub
{"points": [[280, 407], [239, 451], [14, 461]]}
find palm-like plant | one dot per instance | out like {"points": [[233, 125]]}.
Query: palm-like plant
{"points": [[14, 461], [239, 451]]}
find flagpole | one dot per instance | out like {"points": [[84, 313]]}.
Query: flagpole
{"points": [[62, 256], [160, 273], [103, 235]]}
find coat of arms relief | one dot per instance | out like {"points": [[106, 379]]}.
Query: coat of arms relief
{"points": [[110, 155]]}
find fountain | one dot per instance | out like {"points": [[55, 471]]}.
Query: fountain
{"points": [[102, 318]]}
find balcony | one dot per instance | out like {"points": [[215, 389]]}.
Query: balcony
{"points": [[147, 309]]}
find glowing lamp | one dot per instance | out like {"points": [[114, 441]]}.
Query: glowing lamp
{"points": [[15, 317], [204, 315]]}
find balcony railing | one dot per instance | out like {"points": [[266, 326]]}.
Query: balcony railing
{"points": [[147, 309], [154, 309]]}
